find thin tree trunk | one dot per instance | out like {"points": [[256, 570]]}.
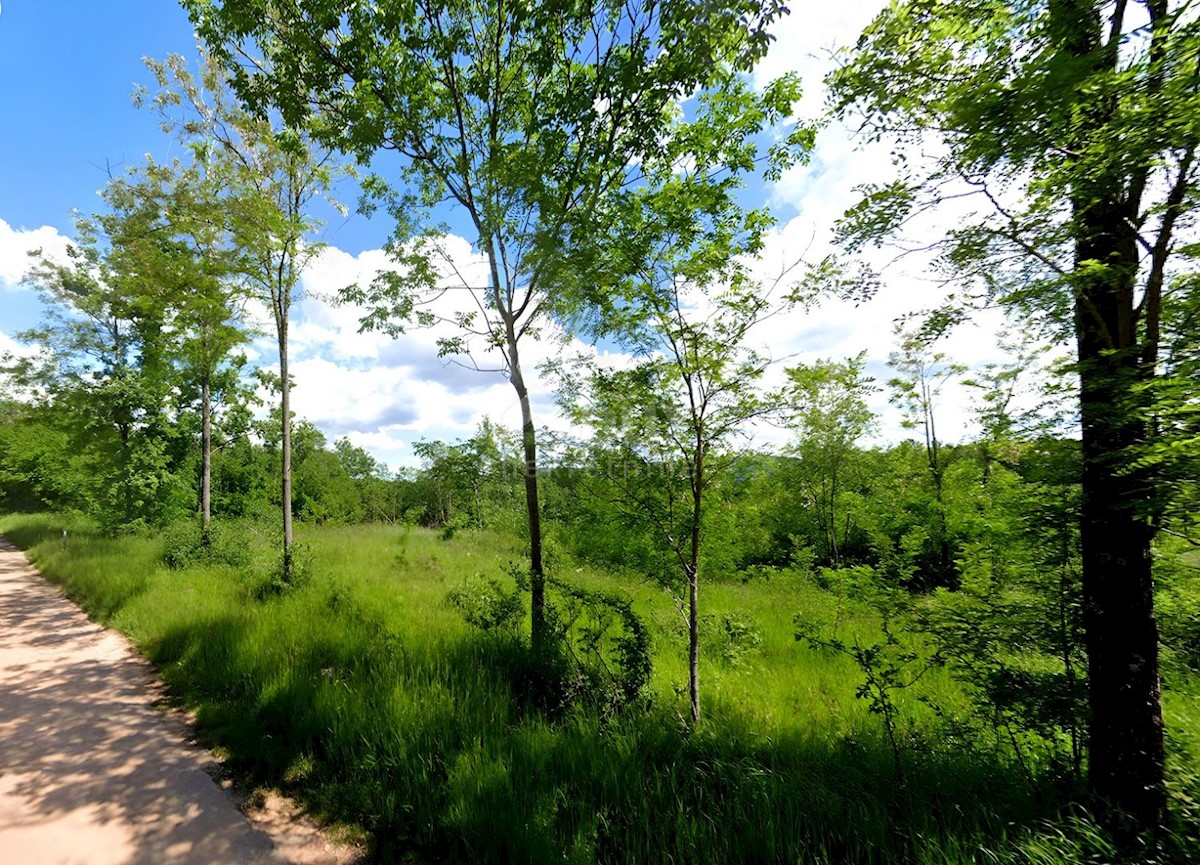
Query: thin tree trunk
{"points": [[285, 407], [693, 573], [694, 644], [833, 493], [537, 577], [126, 472], [205, 456]]}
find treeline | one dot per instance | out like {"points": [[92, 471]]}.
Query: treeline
{"points": [[60, 455], [912, 514]]}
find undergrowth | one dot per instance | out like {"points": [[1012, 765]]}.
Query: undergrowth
{"points": [[364, 693]]}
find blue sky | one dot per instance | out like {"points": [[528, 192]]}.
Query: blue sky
{"points": [[67, 72], [68, 69]]}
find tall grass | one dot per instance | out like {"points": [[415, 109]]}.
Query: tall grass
{"points": [[364, 694]]}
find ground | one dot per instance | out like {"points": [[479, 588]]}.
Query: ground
{"points": [[96, 770]]}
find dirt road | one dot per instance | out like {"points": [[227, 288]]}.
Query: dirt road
{"points": [[91, 773]]}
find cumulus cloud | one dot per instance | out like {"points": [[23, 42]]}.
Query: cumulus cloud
{"points": [[15, 246], [813, 196], [8, 345], [806, 42], [385, 392]]}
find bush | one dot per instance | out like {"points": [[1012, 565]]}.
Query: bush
{"points": [[606, 646], [279, 580], [186, 544], [731, 636], [486, 604], [1178, 609], [860, 582]]}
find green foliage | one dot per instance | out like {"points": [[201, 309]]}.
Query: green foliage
{"points": [[486, 604], [606, 643], [287, 571], [831, 415], [732, 636], [477, 483], [1177, 575], [187, 543], [858, 582], [366, 696], [1068, 135], [323, 491], [100, 386], [888, 666], [1013, 634], [535, 122]]}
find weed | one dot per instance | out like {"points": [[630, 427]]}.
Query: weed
{"points": [[366, 695]]}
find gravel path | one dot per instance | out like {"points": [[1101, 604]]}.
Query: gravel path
{"points": [[91, 773]]}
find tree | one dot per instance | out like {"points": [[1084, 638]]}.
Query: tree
{"points": [[272, 174], [472, 479], [672, 419], [105, 368], [921, 375], [685, 315], [832, 415], [359, 464], [324, 491], [182, 259], [1073, 127], [526, 116], [1003, 391]]}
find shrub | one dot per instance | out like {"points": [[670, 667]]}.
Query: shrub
{"points": [[277, 581], [486, 604], [606, 645], [186, 544], [731, 636]]}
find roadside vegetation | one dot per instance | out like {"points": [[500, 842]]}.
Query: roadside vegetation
{"points": [[365, 693]]}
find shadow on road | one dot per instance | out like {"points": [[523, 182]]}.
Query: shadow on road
{"points": [[90, 771]]}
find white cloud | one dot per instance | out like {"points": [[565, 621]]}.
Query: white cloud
{"points": [[805, 43], [818, 193], [9, 345], [384, 393], [15, 246]]}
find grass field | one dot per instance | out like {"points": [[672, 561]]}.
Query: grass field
{"points": [[364, 694]]}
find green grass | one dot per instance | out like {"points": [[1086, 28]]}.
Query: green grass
{"points": [[365, 695]]}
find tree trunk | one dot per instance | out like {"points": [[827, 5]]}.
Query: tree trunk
{"points": [[205, 457], [1125, 732], [1125, 725], [537, 577], [126, 472], [693, 574], [285, 408]]}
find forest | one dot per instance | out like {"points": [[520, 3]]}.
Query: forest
{"points": [[730, 615]]}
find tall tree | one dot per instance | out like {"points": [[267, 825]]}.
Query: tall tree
{"points": [[104, 365], [525, 116], [1072, 125], [272, 174], [686, 313], [673, 418], [832, 415], [921, 376], [184, 260]]}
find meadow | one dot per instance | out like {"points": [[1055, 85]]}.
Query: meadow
{"points": [[362, 692]]}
